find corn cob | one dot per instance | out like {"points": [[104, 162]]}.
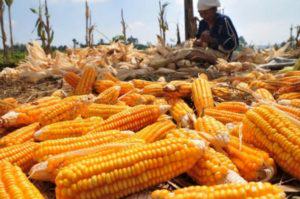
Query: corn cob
{"points": [[66, 110], [202, 95], [86, 82], [132, 99], [290, 79], [48, 170], [184, 133], [223, 92], [215, 168], [103, 110], [257, 190], [289, 89], [21, 154], [11, 100], [149, 99], [264, 94], [210, 125], [72, 79], [128, 171], [253, 164], [132, 119], [224, 116], [19, 136], [102, 85], [203, 76], [162, 118], [293, 111], [59, 93], [254, 85], [27, 113], [109, 76], [66, 129], [5, 107], [140, 84], [294, 102], [125, 87], [243, 86], [156, 89], [160, 101], [237, 107], [53, 147], [182, 113], [14, 183], [270, 130], [289, 96], [178, 89], [155, 131], [109, 96]]}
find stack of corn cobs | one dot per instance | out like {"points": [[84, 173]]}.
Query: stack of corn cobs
{"points": [[134, 135]]}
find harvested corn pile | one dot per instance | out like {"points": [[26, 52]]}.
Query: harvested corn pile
{"points": [[98, 136]]}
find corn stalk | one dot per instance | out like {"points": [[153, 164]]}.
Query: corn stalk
{"points": [[89, 28], [124, 26], [44, 30], [163, 24]]}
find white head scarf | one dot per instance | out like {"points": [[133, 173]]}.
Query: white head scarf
{"points": [[208, 4]]}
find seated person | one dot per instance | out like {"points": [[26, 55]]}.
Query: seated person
{"points": [[216, 31]]}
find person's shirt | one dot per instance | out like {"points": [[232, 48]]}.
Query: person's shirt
{"points": [[223, 32]]}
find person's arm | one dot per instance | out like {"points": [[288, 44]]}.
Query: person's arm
{"points": [[228, 40], [200, 31]]}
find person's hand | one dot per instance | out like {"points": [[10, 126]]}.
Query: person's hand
{"points": [[205, 37], [197, 43]]}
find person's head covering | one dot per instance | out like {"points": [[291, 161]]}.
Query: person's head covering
{"points": [[208, 4]]}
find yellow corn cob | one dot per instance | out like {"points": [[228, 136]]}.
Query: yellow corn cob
{"points": [[178, 89], [223, 92], [271, 131], [140, 84], [11, 100], [66, 110], [210, 125], [20, 154], [160, 101], [132, 99], [264, 94], [290, 79], [27, 113], [86, 81], [182, 113], [125, 87], [253, 164], [133, 119], [224, 116], [294, 102], [149, 99], [19, 136], [48, 170], [162, 118], [243, 86], [293, 111], [202, 95], [109, 96], [53, 147], [59, 93], [15, 184], [102, 85], [72, 79], [184, 133], [5, 107], [289, 96], [257, 190], [103, 110], [109, 76], [237, 107], [215, 168], [254, 85], [156, 89], [128, 171], [67, 129], [155, 131]]}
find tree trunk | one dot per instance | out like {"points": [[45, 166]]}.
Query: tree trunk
{"points": [[10, 28], [48, 29], [124, 26], [87, 23], [190, 22], [5, 52], [178, 35]]}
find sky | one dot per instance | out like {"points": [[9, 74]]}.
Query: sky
{"points": [[261, 22]]}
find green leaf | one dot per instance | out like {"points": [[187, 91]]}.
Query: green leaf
{"points": [[33, 10]]}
